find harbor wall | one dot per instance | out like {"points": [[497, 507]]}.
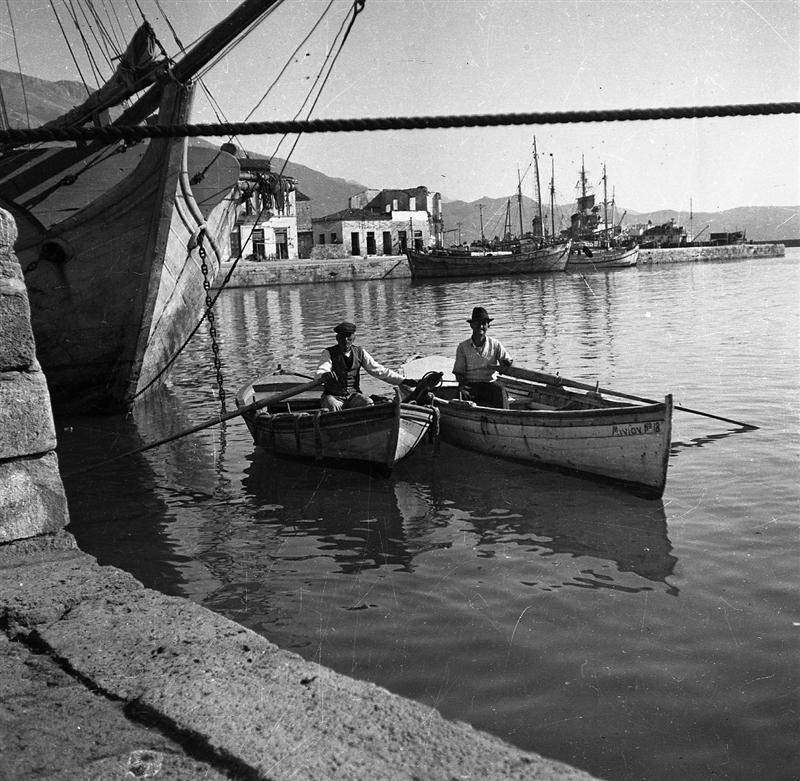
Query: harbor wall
{"points": [[104, 678], [711, 253], [300, 272]]}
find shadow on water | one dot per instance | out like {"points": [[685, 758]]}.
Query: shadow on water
{"points": [[366, 522], [677, 446], [116, 512]]}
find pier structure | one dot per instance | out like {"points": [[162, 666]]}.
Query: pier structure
{"points": [[104, 678]]}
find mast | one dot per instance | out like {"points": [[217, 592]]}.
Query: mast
{"points": [[552, 198], [519, 201], [507, 223], [483, 238], [583, 178], [538, 190], [605, 206]]}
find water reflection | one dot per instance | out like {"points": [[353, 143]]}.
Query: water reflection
{"points": [[362, 523], [548, 513]]}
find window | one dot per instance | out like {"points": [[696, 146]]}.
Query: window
{"points": [[402, 240], [281, 244], [321, 238], [236, 243], [394, 204], [371, 248], [387, 243], [259, 248], [418, 241], [412, 203], [333, 238]]}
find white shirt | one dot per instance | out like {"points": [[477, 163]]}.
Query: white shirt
{"points": [[473, 363]]}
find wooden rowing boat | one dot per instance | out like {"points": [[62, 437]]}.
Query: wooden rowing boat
{"points": [[548, 425], [379, 435], [601, 257], [443, 263]]}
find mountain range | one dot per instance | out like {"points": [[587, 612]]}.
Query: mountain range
{"points": [[41, 101]]}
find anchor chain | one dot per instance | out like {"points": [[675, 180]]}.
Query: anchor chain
{"points": [[212, 329]]}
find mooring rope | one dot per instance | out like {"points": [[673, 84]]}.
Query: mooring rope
{"points": [[114, 133]]}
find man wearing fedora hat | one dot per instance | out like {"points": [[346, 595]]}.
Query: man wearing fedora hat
{"points": [[477, 360], [339, 368]]}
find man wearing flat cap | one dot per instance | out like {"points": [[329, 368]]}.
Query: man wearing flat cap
{"points": [[340, 368], [477, 361]]}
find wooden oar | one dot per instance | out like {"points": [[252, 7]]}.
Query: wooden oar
{"points": [[551, 379], [282, 396]]}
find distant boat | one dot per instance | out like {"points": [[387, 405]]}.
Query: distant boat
{"points": [[379, 435], [597, 258], [116, 248], [596, 245], [437, 264]]}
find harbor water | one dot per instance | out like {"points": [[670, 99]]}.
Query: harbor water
{"points": [[635, 639]]}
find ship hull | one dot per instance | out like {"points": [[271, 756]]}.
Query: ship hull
{"points": [[436, 265], [113, 262]]}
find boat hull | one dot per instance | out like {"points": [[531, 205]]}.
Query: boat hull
{"points": [[603, 258], [426, 265], [379, 435], [112, 262], [626, 445]]}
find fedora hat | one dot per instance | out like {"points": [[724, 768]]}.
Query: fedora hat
{"points": [[480, 315]]}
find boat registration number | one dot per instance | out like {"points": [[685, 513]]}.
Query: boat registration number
{"points": [[636, 429]]}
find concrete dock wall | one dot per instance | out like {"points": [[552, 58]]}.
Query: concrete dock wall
{"points": [[301, 272], [104, 678]]}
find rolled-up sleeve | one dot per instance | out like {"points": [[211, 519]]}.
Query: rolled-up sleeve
{"points": [[325, 363], [377, 370]]}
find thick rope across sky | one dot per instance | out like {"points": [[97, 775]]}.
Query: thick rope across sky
{"points": [[138, 132]]}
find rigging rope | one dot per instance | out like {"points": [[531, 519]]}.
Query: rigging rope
{"points": [[69, 48], [114, 132], [19, 64], [332, 60]]}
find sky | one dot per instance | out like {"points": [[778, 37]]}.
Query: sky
{"points": [[410, 58]]}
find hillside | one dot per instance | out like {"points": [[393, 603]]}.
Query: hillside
{"points": [[761, 223], [46, 100]]}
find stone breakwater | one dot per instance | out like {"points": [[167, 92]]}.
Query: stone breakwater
{"points": [[303, 272], [104, 678], [649, 257]]}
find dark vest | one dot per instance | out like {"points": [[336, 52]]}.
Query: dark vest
{"points": [[348, 379]]}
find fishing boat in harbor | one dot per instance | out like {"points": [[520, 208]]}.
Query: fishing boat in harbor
{"points": [[596, 258], [117, 249], [294, 425], [597, 244], [522, 260], [546, 423]]}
